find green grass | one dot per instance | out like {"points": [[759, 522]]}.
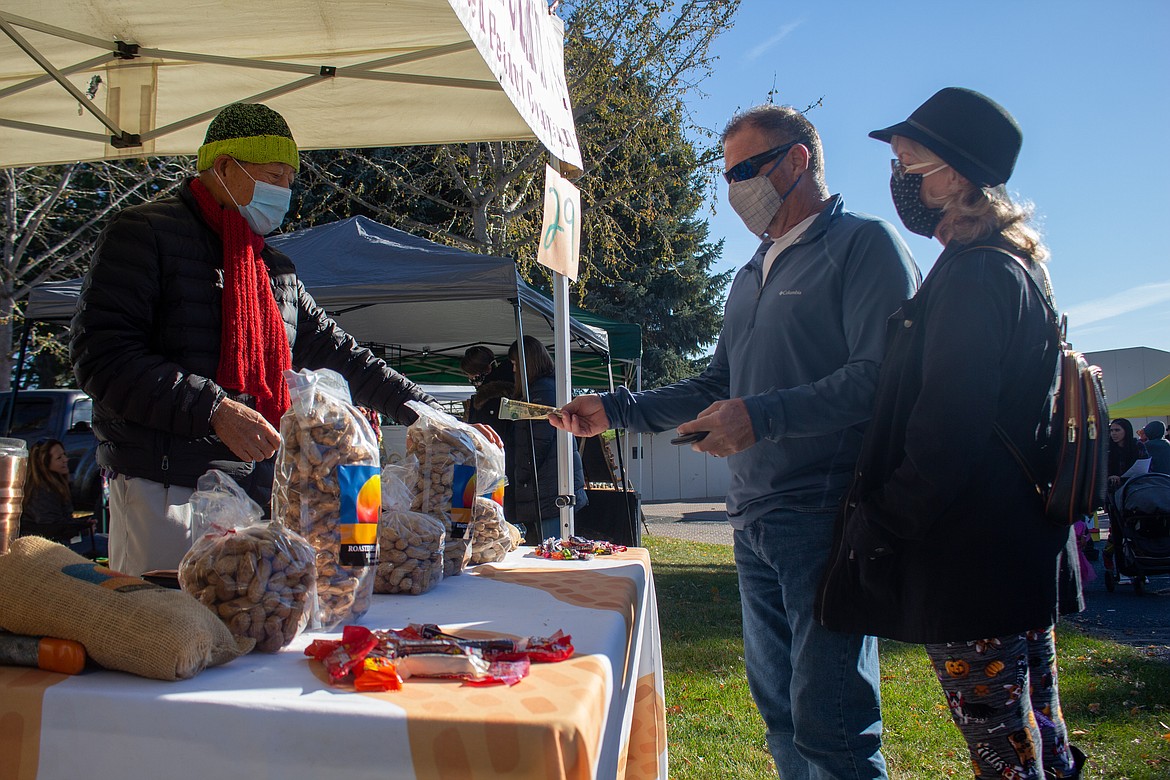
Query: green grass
{"points": [[1116, 701]]}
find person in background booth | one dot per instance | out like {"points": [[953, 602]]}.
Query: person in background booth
{"points": [[531, 453], [493, 379], [948, 546], [48, 507], [186, 323]]}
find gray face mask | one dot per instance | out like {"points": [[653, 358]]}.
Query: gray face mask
{"points": [[756, 201]]}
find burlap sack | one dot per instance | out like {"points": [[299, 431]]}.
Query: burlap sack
{"points": [[125, 623]]}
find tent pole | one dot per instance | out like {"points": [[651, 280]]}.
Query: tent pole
{"points": [[16, 377], [566, 490], [641, 447], [564, 441], [522, 359]]}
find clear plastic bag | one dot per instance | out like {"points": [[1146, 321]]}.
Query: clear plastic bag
{"points": [[260, 578], [328, 489], [492, 537], [456, 463], [410, 544]]}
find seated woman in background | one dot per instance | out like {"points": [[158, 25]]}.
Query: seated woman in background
{"points": [[1124, 451], [48, 507], [531, 453]]}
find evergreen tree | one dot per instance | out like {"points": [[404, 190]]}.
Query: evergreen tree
{"points": [[645, 252]]}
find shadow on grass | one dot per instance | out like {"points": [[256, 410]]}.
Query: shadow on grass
{"points": [[1116, 701]]}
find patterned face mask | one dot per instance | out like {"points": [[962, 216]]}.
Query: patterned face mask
{"points": [[906, 190]]}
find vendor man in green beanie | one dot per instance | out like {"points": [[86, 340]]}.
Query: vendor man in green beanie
{"points": [[186, 322]]}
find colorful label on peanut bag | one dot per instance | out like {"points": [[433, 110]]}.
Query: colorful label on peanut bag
{"points": [[497, 493], [361, 506], [462, 493]]}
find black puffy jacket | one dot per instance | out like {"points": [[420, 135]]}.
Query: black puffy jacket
{"points": [[145, 345]]}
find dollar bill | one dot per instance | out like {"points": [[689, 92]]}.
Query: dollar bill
{"points": [[519, 410]]}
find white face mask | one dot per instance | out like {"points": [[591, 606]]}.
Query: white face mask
{"points": [[756, 201], [265, 212]]}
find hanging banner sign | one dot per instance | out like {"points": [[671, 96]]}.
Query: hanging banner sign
{"points": [[523, 44], [560, 235]]}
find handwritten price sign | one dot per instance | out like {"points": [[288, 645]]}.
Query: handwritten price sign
{"points": [[560, 237]]}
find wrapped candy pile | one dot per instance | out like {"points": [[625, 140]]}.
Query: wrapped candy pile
{"points": [[575, 548], [381, 660]]}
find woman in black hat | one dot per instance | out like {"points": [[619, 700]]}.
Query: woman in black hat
{"points": [[943, 539]]}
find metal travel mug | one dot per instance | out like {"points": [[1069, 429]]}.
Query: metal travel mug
{"points": [[13, 465]]}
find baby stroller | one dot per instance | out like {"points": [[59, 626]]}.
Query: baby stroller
{"points": [[1139, 531]]}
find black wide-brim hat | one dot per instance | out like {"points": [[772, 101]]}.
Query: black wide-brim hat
{"points": [[968, 131]]}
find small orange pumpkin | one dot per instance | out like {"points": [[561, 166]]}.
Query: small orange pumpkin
{"points": [[993, 668], [981, 690], [957, 667]]}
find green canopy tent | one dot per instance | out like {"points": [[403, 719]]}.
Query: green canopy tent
{"points": [[625, 349], [1154, 401]]}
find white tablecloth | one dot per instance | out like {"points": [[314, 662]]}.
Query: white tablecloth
{"points": [[599, 714]]}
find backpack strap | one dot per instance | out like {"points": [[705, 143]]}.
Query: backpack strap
{"points": [[1045, 289], [1060, 323]]}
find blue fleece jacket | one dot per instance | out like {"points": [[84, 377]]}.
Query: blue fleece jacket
{"points": [[802, 348]]}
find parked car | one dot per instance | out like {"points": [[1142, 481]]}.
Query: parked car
{"points": [[65, 415]]}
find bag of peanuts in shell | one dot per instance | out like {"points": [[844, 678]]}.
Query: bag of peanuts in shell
{"points": [[259, 577], [327, 488], [492, 537], [410, 544], [456, 464]]}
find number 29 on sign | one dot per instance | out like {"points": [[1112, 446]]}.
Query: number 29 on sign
{"points": [[561, 234]]}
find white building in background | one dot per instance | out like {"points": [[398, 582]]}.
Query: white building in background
{"points": [[1130, 370]]}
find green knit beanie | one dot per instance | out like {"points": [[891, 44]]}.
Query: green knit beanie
{"points": [[251, 132]]}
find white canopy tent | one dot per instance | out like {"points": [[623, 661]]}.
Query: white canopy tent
{"points": [[106, 79]]}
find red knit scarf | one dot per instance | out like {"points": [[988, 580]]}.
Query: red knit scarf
{"points": [[254, 351]]}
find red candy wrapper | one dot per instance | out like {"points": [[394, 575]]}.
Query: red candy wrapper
{"points": [[340, 658]]}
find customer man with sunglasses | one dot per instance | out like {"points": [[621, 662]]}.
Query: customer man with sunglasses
{"points": [[786, 398]]}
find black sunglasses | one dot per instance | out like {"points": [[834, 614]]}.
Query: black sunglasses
{"points": [[750, 168]]}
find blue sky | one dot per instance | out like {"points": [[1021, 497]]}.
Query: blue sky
{"points": [[1089, 83]]}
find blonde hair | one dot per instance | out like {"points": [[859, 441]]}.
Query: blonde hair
{"points": [[974, 213]]}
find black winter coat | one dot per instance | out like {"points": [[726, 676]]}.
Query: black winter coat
{"points": [[534, 441], [145, 345], [49, 514], [942, 537]]}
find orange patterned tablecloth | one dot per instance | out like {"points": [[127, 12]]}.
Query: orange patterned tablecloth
{"points": [[599, 714]]}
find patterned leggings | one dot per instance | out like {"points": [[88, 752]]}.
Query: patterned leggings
{"points": [[1003, 697]]}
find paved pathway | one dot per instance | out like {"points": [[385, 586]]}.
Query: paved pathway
{"points": [[700, 520]]}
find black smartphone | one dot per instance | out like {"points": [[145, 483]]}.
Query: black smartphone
{"points": [[688, 438]]}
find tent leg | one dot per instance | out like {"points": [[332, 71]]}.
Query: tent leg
{"points": [[564, 442], [16, 377]]}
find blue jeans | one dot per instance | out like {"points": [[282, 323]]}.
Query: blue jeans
{"points": [[817, 690]]}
